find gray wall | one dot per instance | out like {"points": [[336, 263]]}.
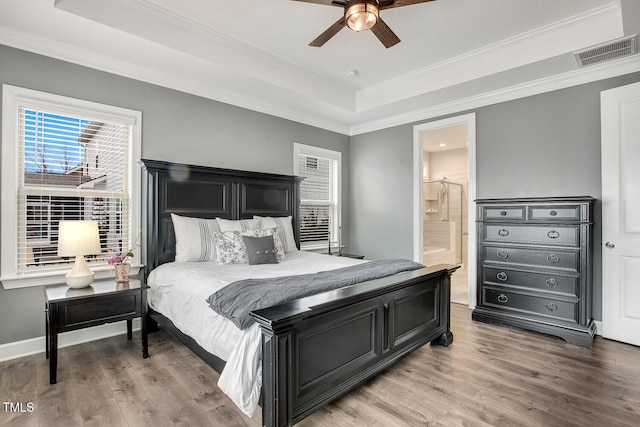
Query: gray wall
{"points": [[543, 145], [177, 127], [382, 193]]}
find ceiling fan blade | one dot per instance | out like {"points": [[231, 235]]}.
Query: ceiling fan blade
{"points": [[384, 34], [390, 4], [329, 32], [326, 2]]}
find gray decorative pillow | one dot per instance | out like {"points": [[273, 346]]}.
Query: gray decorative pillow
{"points": [[260, 250], [280, 255]]}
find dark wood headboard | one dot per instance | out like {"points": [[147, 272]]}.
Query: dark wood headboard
{"points": [[207, 192]]}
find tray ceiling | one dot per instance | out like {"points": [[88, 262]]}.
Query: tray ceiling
{"points": [[454, 54]]}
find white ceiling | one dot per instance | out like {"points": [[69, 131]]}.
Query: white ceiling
{"points": [[454, 54], [445, 138]]}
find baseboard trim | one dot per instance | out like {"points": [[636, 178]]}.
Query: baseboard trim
{"points": [[598, 324], [14, 350]]}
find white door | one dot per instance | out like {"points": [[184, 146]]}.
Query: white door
{"points": [[620, 110]]}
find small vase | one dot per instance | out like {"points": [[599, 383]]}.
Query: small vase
{"points": [[122, 272]]}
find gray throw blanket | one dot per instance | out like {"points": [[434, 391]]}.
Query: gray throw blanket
{"points": [[236, 300]]}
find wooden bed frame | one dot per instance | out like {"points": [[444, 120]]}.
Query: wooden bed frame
{"points": [[314, 349]]}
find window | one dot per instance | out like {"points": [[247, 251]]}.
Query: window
{"points": [[50, 150], [320, 207]]}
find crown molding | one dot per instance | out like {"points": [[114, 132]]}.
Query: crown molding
{"points": [[161, 26], [591, 27], [91, 59], [294, 109], [536, 87]]}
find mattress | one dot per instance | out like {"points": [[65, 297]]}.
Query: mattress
{"points": [[179, 291]]}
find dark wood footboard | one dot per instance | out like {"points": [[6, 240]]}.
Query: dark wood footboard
{"points": [[317, 349]]}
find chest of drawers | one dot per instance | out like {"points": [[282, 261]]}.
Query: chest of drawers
{"points": [[534, 265]]}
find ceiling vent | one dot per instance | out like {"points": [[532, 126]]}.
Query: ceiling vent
{"points": [[607, 51]]}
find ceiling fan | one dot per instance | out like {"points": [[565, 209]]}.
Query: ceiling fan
{"points": [[360, 15]]}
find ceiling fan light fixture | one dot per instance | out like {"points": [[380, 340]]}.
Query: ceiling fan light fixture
{"points": [[361, 16]]}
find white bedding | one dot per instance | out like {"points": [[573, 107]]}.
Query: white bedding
{"points": [[179, 291]]}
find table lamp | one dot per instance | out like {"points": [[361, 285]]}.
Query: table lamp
{"points": [[78, 238]]}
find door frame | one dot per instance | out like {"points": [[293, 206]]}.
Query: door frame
{"points": [[418, 199]]}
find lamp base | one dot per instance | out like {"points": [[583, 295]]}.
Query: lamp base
{"points": [[80, 276]]}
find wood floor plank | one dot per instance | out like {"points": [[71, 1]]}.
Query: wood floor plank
{"points": [[491, 375], [18, 385]]}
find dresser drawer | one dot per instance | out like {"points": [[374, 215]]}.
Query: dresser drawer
{"points": [[502, 213], [537, 281], [531, 304], [555, 213], [535, 257], [544, 234], [82, 314]]}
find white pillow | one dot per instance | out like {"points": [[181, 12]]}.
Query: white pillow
{"points": [[194, 238], [284, 229], [238, 225]]}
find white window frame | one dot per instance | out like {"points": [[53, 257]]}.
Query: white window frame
{"points": [[324, 153], [14, 97]]}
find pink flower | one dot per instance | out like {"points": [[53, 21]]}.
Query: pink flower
{"points": [[119, 259], [122, 258]]}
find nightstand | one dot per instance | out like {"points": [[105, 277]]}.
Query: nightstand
{"points": [[105, 301]]}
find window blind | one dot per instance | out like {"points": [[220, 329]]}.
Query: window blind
{"points": [[70, 168], [319, 210]]}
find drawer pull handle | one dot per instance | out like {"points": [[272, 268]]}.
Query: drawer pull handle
{"points": [[502, 276], [553, 234], [503, 213], [552, 283], [551, 307], [503, 232], [553, 258], [502, 254], [553, 213], [502, 298]]}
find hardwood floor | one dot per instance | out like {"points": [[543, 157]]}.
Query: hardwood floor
{"points": [[490, 376], [460, 286]]}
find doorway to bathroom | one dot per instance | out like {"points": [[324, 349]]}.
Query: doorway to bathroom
{"points": [[445, 220]]}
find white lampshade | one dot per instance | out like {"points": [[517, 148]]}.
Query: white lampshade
{"points": [[78, 238]]}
